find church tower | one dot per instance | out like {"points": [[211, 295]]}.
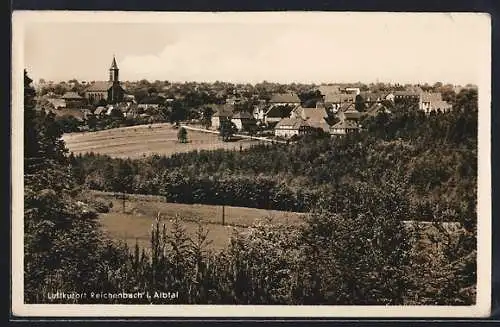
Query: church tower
{"points": [[115, 91], [113, 71]]}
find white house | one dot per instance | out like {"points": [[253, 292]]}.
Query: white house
{"points": [[288, 127], [243, 120]]}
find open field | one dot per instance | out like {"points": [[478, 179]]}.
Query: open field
{"points": [[144, 140], [141, 211]]}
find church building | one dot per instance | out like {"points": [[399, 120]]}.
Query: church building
{"points": [[110, 91]]}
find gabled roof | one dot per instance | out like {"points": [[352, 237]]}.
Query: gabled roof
{"points": [[339, 98], [71, 96], [441, 105], [242, 115], [344, 124], [375, 108], [319, 124], [371, 96], [311, 114], [431, 97], [329, 89], [291, 123], [99, 86], [223, 110], [279, 112], [347, 106], [285, 98]]}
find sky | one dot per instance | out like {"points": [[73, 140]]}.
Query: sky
{"points": [[252, 47]]}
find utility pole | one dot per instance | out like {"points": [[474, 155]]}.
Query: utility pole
{"points": [[223, 215]]}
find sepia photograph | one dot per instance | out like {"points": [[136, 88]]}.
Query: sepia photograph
{"points": [[272, 164]]}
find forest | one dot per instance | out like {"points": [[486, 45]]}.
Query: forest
{"points": [[359, 191]]}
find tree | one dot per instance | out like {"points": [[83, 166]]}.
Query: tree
{"points": [[59, 234], [309, 99], [227, 130], [179, 112], [182, 135], [359, 103], [207, 116], [122, 179]]}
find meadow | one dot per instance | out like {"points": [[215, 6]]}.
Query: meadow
{"points": [[134, 224], [144, 140]]}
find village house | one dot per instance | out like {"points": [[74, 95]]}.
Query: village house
{"points": [[73, 100], [433, 102], [406, 96], [375, 108], [259, 112], [275, 113], [243, 121], [151, 102], [349, 120], [371, 97], [329, 89], [344, 127], [315, 117], [233, 100], [347, 111], [289, 127], [334, 101], [223, 112], [57, 103], [281, 99]]}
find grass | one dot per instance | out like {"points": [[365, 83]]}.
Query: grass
{"points": [[141, 211], [134, 224], [139, 141]]}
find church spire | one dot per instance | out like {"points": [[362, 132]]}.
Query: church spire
{"points": [[113, 71], [113, 63]]}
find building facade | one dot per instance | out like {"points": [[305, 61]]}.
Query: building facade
{"points": [[110, 91]]}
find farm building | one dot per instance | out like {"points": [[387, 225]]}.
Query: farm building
{"points": [[72, 100], [344, 127], [223, 112], [288, 127], [243, 120], [275, 113], [290, 98], [347, 111], [315, 117]]}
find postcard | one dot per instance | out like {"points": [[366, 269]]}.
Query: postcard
{"points": [[251, 164]]}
